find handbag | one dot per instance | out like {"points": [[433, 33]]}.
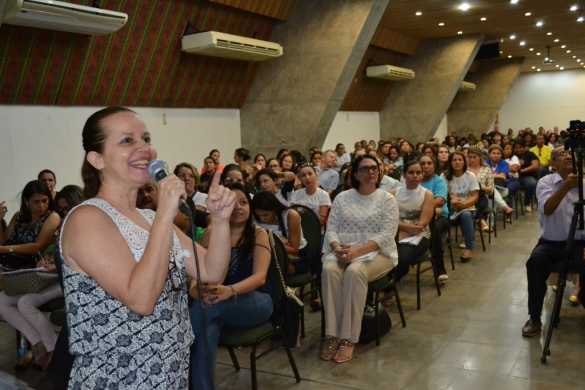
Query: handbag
{"points": [[368, 331], [292, 311], [32, 282], [15, 261]]}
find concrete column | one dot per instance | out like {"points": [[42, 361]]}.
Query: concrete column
{"points": [[414, 109], [475, 111], [293, 100]]}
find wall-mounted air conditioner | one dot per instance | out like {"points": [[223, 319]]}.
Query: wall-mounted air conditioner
{"points": [[218, 44], [467, 86], [389, 72], [61, 16]]}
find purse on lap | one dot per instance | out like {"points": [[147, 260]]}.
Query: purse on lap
{"points": [[32, 282]]}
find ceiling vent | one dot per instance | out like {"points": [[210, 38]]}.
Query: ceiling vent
{"points": [[389, 72], [467, 86], [61, 16], [218, 44]]}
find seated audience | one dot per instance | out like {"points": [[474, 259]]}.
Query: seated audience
{"points": [[241, 300], [362, 224], [281, 153], [529, 166], [210, 167], [463, 192], [443, 154], [48, 177], [260, 161], [501, 172], [30, 232], [386, 183], [328, 177], [341, 158], [241, 155], [267, 180], [543, 151], [438, 186], [270, 213], [316, 158], [215, 155], [485, 178], [430, 150], [311, 195], [416, 210], [394, 161], [189, 175]]}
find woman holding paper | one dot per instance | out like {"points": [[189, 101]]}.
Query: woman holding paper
{"points": [[359, 248], [415, 205]]}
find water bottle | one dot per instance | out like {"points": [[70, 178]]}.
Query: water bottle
{"points": [[24, 355]]}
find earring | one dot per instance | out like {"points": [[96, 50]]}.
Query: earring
{"points": [[102, 174], [27, 206]]}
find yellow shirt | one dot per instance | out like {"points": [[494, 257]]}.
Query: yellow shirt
{"points": [[543, 154]]}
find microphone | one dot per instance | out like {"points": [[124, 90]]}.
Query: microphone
{"points": [[158, 170]]}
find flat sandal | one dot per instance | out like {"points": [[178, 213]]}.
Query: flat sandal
{"points": [[342, 345], [328, 355]]}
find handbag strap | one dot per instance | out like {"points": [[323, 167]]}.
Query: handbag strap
{"points": [[273, 247]]}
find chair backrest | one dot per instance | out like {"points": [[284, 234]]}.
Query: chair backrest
{"points": [[279, 254], [311, 230]]}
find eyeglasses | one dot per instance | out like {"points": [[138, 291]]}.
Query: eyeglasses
{"points": [[562, 154], [373, 168], [230, 180], [185, 175]]}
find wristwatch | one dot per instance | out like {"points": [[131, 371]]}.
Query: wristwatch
{"points": [[10, 249]]}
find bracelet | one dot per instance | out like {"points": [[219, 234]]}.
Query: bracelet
{"points": [[234, 290]]}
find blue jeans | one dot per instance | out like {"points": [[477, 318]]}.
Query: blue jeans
{"points": [[513, 187], [247, 310], [529, 184], [466, 218]]}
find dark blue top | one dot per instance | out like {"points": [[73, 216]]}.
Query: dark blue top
{"points": [[239, 270], [502, 167]]}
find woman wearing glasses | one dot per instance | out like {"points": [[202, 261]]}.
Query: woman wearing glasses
{"points": [[124, 268], [359, 247], [190, 177]]}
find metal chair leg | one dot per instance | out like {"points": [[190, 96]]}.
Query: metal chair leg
{"points": [[234, 359]]}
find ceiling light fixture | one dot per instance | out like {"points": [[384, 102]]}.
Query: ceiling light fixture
{"points": [[509, 56], [562, 47], [574, 56], [556, 66], [464, 7], [522, 43], [549, 33], [534, 67], [578, 59], [527, 14], [556, 40], [537, 54], [459, 32], [501, 52], [580, 19], [512, 36], [538, 70], [562, 67], [441, 24], [574, 8], [568, 51], [418, 13], [483, 19], [531, 49], [539, 24], [513, 1]]}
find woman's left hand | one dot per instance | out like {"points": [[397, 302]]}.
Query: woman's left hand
{"points": [[215, 293], [346, 253], [220, 200]]}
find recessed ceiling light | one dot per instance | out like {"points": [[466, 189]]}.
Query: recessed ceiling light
{"points": [[441, 24], [546, 59], [556, 40], [509, 56], [418, 13], [531, 49], [574, 8], [574, 56], [522, 43], [539, 24], [578, 59], [538, 70], [534, 67], [562, 47], [549, 33], [537, 54], [459, 32], [464, 7], [528, 14], [580, 19], [562, 67], [556, 66], [568, 51], [512, 36], [483, 19], [513, 1], [501, 52]]}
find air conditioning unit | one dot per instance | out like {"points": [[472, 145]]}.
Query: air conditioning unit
{"points": [[467, 86], [61, 16], [389, 72], [218, 44]]}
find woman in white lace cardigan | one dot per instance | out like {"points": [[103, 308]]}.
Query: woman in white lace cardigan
{"points": [[359, 247]]}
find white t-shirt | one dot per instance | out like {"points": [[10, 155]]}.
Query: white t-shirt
{"points": [[199, 199], [314, 202], [513, 161], [461, 187]]}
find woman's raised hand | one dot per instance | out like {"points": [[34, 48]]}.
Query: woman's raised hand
{"points": [[220, 200]]}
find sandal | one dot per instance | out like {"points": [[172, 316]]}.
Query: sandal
{"points": [[339, 353], [332, 348]]}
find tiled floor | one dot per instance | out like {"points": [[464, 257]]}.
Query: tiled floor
{"points": [[469, 338]]}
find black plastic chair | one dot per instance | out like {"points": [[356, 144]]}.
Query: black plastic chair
{"points": [[232, 338], [427, 257]]}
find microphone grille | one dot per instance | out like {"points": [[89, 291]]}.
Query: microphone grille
{"points": [[155, 167]]}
